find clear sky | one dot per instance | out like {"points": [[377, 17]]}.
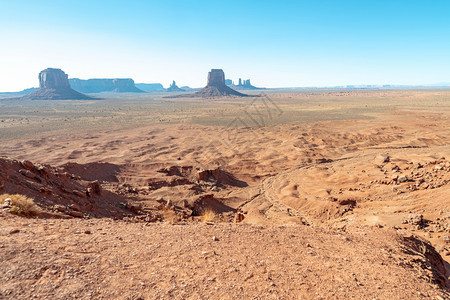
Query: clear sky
{"points": [[275, 43]]}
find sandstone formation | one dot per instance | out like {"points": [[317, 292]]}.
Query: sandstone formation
{"points": [[216, 86], [174, 88], [216, 78], [58, 193], [150, 87], [242, 84], [115, 85], [53, 79], [188, 88], [54, 85]]}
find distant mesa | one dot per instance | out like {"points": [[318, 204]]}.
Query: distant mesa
{"points": [[188, 88], [97, 85], [150, 87], [53, 85], [20, 93], [174, 88], [216, 87], [242, 84]]}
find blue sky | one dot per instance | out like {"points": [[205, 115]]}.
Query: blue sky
{"points": [[275, 43]]}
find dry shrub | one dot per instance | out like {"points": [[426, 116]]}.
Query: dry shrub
{"points": [[209, 215], [169, 215], [21, 205]]}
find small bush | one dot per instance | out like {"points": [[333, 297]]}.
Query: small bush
{"points": [[21, 205], [423, 248], [208, 215]]}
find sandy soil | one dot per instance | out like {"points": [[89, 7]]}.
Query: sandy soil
{"points": [[104, 259], [325, 186]]}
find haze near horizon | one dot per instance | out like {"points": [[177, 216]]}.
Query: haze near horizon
{"points": [[276, 44]]}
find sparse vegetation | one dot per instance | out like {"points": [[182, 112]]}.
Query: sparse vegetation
{"points": [[423, 248], [21, 205], [208, 215]]}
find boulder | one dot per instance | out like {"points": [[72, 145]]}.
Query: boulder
{"points": [[382, 159], [239, 217], [414, 219], [94, 188], [2, 184], [208, 202], [27, 173], [27, 164], [77, 214], [402, 179]]}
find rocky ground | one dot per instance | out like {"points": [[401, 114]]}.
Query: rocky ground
{"points": [[104, 259], [320, 209]]}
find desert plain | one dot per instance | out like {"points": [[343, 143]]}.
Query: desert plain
{"points": [[295, 194]]}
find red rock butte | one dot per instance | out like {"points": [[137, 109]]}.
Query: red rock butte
{"points": [[216, 78], [215, 88], [54, 85]]}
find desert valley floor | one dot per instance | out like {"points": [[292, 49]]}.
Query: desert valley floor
{"points": [[295, 194]]}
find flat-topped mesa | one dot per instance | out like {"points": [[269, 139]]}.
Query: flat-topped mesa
{"points": [[100, 85], [53, 79], [150, 87], [53, 85], [216, 78]]}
